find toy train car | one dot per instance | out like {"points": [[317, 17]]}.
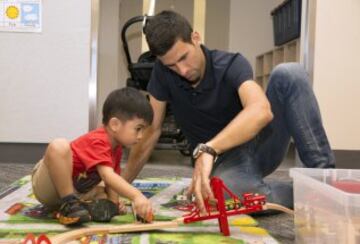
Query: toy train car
{"points": [[251, 199]]}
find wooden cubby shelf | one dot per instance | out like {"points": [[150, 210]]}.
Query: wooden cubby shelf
{"points": [[265, 63]]}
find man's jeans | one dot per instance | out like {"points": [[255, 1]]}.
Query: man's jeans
{"points": [[296, 115]]}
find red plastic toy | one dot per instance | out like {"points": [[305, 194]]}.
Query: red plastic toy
{"points": [[251, 203]]}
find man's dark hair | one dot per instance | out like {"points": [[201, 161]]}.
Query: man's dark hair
{"points": [[164, 29], [126, 104]]}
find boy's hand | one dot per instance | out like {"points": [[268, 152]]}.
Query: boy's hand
{"points": [[142, 207]]}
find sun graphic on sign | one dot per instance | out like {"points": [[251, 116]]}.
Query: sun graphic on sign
{"points": [[12, 12]]}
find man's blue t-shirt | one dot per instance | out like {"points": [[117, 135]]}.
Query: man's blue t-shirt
{"points": [[203, 111]]}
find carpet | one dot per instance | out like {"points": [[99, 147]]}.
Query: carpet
{"points": [[20, 214]]}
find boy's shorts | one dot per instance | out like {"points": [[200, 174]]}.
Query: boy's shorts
{"points": [[45, 192]]}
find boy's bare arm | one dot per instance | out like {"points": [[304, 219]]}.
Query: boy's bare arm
{"points": [[117, 183], [140, 153], [114, 181], [112, 195]]}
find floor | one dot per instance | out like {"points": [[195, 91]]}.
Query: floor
{"points": [[172, 163]]}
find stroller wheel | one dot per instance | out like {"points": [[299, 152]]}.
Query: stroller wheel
{"points": [[185, 152]]}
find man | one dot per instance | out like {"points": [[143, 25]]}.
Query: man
{"points": [[236, 131]]}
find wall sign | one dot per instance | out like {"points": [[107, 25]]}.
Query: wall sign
{"points": [[20, 15]]}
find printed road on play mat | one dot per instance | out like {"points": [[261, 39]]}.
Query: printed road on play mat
{"points": [[21, 213]]}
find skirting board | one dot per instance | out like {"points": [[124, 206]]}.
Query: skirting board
{"points": [[347, 159], [32, 152], [21, 152]]}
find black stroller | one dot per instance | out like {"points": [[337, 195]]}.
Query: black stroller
{"points": [[140, 72]]}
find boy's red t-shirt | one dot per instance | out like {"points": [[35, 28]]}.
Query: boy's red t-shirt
{"points": [[88, 151]]}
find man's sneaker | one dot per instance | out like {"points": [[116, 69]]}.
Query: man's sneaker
{"points": [[73, 212], [102, 210]]}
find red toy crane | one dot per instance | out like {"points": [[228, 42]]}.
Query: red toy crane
{"points": [[249, 204]]}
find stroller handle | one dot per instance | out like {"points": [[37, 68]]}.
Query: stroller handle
{"points": [[126, 26]]}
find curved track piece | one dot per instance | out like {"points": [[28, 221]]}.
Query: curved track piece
{"points": [[136, 227]]}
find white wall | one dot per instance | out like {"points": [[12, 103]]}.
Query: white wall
{"points": [[108, 56], [336, 70], [129, 9], [217, 24], [44, 76], [251, 31]]}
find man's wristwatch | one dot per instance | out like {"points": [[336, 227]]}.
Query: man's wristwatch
{"points": [[203, 148]]}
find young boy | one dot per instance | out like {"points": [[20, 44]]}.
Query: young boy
{"points": [[68, 175]]}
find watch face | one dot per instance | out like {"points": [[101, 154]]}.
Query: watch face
{"points": [[203, 148], [196, 151]]}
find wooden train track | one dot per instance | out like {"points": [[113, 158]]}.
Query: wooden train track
{"points": [[136, 227], [112, 229], [274, 206]]}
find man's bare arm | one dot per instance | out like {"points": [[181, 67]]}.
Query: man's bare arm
{"points": [[248, 123], [140, 153], [255, 115]]}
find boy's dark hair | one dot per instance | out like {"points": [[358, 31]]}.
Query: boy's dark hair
{"points": [[126, 104], [164, 29]]}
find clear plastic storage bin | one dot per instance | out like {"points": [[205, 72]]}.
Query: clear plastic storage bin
{"points": [[327, 205]]}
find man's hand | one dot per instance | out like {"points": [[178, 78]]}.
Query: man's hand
{"points": [[200, 185]]}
